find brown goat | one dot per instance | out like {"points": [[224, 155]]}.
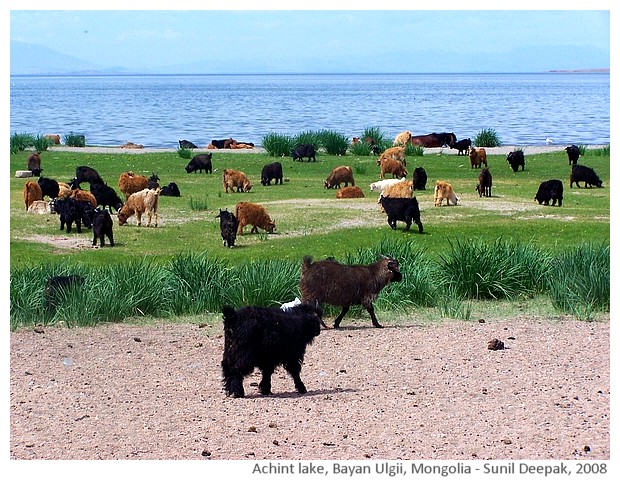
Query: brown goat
{"points": [[394, 153], [235, 180], [328, 281], [144, 201], [31, 193], [402, 138], [129, 183], [83, 195], [350, 192], [444, 190], [477, 157], [393, 166], [34, 164], [253, 214], [342, 174]]}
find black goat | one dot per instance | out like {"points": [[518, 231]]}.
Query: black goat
{"points": [[550, 190], [402, 209], [73, 211], [102, 227], [328, 281], [485, 182], [516, 159], [153, 183], [228, 227], [49, 187], [419, 179], [462, 146], [271, 171], [106, 196], [170, 190], [573, 154], [581, 173], [265, 338]]}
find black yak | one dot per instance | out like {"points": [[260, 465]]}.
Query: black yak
{"points": [[264, 338]]}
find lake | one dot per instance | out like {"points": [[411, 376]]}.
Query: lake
{"points": [[157, 111]]}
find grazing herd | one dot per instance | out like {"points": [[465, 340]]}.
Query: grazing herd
{"points": [[269, 337]]}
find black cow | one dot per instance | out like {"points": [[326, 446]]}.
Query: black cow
{"points": [[573, 154], [271, 171], [419, 179], [264, 338], [170, 190], [402, 209], [228, 227], [102, 227], [551, 190], [462, 146], [106, 196], [306, 150], [199, 163], [49, 187], [186, 144], [57, 286], [581, 173], [516, 159], [73, 211], [485, 182]]}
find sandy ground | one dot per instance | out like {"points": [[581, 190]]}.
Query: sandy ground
{"points": [[408, 391]]}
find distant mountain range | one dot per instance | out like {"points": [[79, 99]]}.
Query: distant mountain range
{"points": [[29, 59]]}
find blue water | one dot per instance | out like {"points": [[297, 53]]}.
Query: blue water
{"points": [[157, 111]]}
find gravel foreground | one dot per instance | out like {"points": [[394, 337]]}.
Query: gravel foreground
{"points": [[404, 392]]}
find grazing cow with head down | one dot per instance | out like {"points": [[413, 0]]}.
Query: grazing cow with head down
{"points": [[550, 191], [265, 338], [34, 164], [235, 181], [143, 202], [516, 159], [444, 190], [331, 282], [573, 154], [271, 171], [402, 209], [305, 150], [581, 173], [228, 227], [253, 214], [342, 174], [199, 163]]}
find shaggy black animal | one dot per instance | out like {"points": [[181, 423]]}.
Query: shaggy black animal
{"points": [[265, 338], [271, 171], [419, 179], [106, 196], [328, 281], [485, 182], [516, 159], [228, 227], [573, 154], [170, 190], [199, 163], [56, 287], [153, 182], [402, 209], [102, 227], [551, 190], [73, 211], [462, 146], [305, 150], [186, 144], [581, 173], [49, 187], [85, 174]]}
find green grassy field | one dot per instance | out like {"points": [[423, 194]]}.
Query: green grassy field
{"points": [[310, 220]]}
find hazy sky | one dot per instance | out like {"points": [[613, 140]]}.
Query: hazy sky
{"points": [[151, 38]]}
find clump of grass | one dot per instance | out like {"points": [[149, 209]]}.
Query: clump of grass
{"points": [[41, 143], [487, 137], [74, 140], [451, 305], [333, 143], [600, 152], [579, 281], [582, 150], [307, 137], [361, 149], [185, 153], [479, 270], [21, 141], [278, 145], [199, 204], [414, 150]]}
